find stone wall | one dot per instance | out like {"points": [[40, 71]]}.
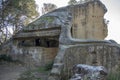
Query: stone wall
{"points": [[88, 21], [41, 33], [30, 55], [96, 54], [34, 56]]}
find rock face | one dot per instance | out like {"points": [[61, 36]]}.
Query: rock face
{"points": [[87, 72], [88, 20], [52, 38], [96, 54]]}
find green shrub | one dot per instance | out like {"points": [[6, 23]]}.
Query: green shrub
{"points": [[8, 58], [45, 68], [28, 75], [5, 57], [48, 66], [113, 76]]}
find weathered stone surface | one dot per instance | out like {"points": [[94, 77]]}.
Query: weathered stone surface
{"points": [[85, 21], [35, 56], [54, 34], [88, 22], [87, 72], [98, 54], [30, 55], [43, 33]]}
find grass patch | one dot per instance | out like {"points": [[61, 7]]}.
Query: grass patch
{"points": [[31, 74], [45, 68], [113, 76], [48, 66], [28, 75]]}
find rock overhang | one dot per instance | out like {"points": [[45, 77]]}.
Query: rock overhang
{"points": [[54, 20]]}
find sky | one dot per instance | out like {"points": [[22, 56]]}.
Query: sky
{"points": [[113, 15]]}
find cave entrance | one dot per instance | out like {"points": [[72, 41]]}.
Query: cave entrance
{"points": [[47, 42], [48, 48], [37, 42], [42, 49]]}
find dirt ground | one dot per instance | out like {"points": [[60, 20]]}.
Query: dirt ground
{"points": [[10, 71], [13, 71]]}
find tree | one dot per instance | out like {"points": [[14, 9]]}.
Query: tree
{"points": [[18, 8], [72, 2], [15, 14], [47, 7]]}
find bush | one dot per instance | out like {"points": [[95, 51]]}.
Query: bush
{"points": [[114, 76], [7, 58], [45, 68], [48, 66], [28, 75]]}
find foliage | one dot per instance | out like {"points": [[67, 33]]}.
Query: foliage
{"points": [[7, 58], [47, 7], [49, 66], [47, 19], [42, 71], [14, 14], [28, 75], [21, 7], [31, 74], [72, 2], [114, 76], [45, 68]]}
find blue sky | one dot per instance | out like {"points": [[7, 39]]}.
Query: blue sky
{"points": [[113, 15]]}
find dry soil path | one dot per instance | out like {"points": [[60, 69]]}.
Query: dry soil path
{"points": [[13, 71], [10, 71]]}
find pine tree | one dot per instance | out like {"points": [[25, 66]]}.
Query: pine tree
{"points": [[16, 14]]}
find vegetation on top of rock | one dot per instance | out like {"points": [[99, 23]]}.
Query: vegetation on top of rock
{"points": [[72, 2], [49, 19]]}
